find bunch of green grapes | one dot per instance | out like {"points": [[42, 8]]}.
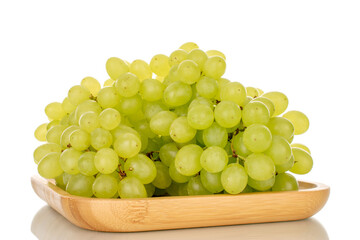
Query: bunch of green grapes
{"points": [[173, 126]]}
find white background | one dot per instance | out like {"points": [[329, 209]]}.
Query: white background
{"points": [[309, 50]]}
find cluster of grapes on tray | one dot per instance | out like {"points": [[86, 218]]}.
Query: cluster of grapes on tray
{"points": [[173, 126]]}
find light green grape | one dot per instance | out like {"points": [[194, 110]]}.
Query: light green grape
{"points": [[59, 181], [54, 134], [86, 164], [86, 106], [116, 67], [152, 108], [252, 92], [40, 132], [285, 182], [269, 104], [127, 85], [159, 64], [234, 178], [302, 146], [67, 106], [106, 160], [215, 135], [54, 111], [89, 121], [141, 167], [279, 150], [255, 112], [108, 97], [160, 123], [280, 101], [214, 67], [105, 186], [211, 53], [143, 126], [176, 176], [151, 90], [239, 146], [181, 131], [282, 127], [141, 69], [162, 179], [80, 140], [257, 138], [286, 166], [122, 129], [189, 46], [299, 120], [198, 56], [167, 153], [187, 160], [207, 87], [65, 136], [200, 116], [211, 181], [214, 159], [177, 56], [233, 91], [227, 114], [69, 160], [130, 105], [201, 101], [131, 187], [177, 94], [77, 94], [80, 185], [261, 185], [303, 161], [91, 84], [195, 187], [51, 124], [259, 166], [127, 145], [45, 149], [188, 71], [109, 118], [101, 138], [181, 110], [49, 166]]}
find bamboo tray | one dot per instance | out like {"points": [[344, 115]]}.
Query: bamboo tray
{"points": [[159, 213]]}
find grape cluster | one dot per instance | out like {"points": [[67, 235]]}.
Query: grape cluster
{"points": [[171, 127]]}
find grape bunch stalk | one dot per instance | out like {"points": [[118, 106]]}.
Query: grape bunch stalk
{"points": [[173, 127]]}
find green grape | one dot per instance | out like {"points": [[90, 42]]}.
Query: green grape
{"points": [[151, 90], [109, 83], [221, 82], [143, 126], [167, 153], [279, 150], [181, 110], [54, 111], [187, 160], [45, 149], [127, 145], [252, 92], [150, 189], [214, 159], [40, 132], [211, 181], [269, 104], [59, 181], [181, 131], [195, 187], [144, 142], [77, 94], [255, 112], [159, 64], [101, 138], [261, 92], [302, 146], [116, 67], [198, 56], [234, 178], [80, 140], [247, 100], [227, 114], [162, 179], [160, 122], [215, 135], [91, 84], [106, 160], [66, 178], [141, 167], [86, 106], [141, 69], [248, 189], [299, 120], [177, 94], [131, 187], [207, 87], [86, 164], [189, 46], [211, 53], [174, 188], [72, 119], [261, 185], [52, 123], [122, 129], [89, 121], [127, 85], [108, 97], [105, 186], [129, 106], [214, 67], [109, 118], [199, 138], [303, 161], [257, 138], [233, 91], [49, 166], [286, 166], [176, 176], [67, 106], [65, 121], [180, 145], [285, 182], [188, 71], [200, 116], [69, 160], [152, 108], [80, 185], [201, 101], [171, 77], [54, 134], [177, 56], [282, 127], [280, 101], [259, 166], [65, 136]]}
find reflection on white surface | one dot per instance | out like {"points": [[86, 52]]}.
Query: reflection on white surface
{"points": [[50, 225]]}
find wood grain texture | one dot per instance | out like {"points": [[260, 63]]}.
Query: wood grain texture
{"points": [[132, 215]]}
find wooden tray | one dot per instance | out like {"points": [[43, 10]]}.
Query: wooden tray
{"points": [[145, 214]]}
